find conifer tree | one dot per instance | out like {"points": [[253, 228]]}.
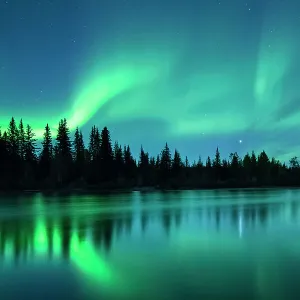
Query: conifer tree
{"points": [[217, 165], [64, 145], [78, 145], [94, 144], [30, 145], [129, 163], [79, 152], [106, 154], [21, 140], [234, 165], [144, 166], [208, 163], [63, 154], [176, 163], [165, 161], [46, 155], [13, 138], [118, 160]]}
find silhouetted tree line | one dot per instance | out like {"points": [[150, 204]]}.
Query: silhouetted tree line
{"points": [[66, 162]]}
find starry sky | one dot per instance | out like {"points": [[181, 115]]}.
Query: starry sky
{"points": [[198, 74]]}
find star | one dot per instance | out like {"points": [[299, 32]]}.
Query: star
{"points": [[240, 141]]}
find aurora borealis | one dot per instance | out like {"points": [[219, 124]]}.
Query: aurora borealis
{"points": [[198, 74]]}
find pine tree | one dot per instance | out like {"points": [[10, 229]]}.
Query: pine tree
{"points": [[217, 165], [247, 167], [165, 161], [176, 163], [157, 162], [30, 158], [79, 152], [46, 155], [235, 166], [186, 162], [78, 145], [253, 165], [143, 160], [263, 168], [129, 164], [118, 160], [199, 163], [94, 144], [144, 167], [106, 154], [30, 145], [64, 145], [13, 139], [217, 160], [63, 154], [4, 161], [21, 140], [208, 163]]}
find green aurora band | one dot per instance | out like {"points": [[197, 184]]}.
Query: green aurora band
{"points": [[141, 80]]}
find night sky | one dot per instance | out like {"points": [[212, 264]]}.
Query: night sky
{"points": [[198, 74]]}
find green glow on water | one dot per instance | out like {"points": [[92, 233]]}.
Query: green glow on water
{"points": [[40, 237], [87, 259], [56, 241]]}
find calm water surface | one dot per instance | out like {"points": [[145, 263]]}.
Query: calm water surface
{"points": [[239, 244]]}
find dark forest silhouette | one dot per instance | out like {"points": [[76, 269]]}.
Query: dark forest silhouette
{"points": [[64, 162]]}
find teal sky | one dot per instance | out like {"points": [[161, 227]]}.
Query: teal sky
{"points": [[198, 74]]}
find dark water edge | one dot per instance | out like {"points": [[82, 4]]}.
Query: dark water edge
{"points": [[116, 190]]}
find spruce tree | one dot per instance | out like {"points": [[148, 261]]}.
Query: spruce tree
{"points": [[94, 144], [64, 145], [21, 140], [46, 155], [13, 138], [144, 166], [78, 145], [217, 165], [63, 155], [30, 145], [79, 152], [253, 166], [176, 163], [247, 167], [106, 154], [235, 166], [208, 163], [30, 158], [165, 162], [263, 168], [129, 164], [118, 160], [4, 161]]}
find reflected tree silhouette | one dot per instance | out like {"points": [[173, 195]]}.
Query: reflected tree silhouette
{"points": [[166, 220], [66, 236], [177, 217], [144, 221], [50, 232]]}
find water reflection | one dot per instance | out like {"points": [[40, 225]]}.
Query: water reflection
{"points": [[43, 234], [106, 237]]}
